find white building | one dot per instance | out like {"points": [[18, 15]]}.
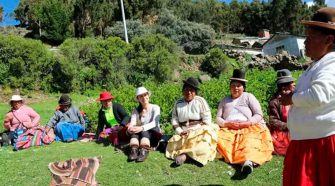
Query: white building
{"points": [[294, 45]]}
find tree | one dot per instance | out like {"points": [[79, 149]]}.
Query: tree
{"points": [[255, 17], [293, 12], [1, 13], [49, 19], [232, 17], [277, 17]]}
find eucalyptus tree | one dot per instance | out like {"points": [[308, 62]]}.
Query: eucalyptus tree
{"points": [[277, 16], [255, 17], [293, 16]]}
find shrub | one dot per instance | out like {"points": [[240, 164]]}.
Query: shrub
{"points": [[195, 38], [215, 62], [97, 62], [62, 75], [23, 62], [135, 28], [152, 57]]}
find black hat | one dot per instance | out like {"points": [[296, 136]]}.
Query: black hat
{"points": [[284, 76], [64, 100], [192, 82], [239, 75]]}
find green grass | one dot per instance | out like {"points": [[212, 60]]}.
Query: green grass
{"points": [[30, 166]]}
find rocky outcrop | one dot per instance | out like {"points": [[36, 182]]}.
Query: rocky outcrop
{"points": [[279, 61]]}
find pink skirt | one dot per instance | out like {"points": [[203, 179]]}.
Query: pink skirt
{"points": [[310, 162]]}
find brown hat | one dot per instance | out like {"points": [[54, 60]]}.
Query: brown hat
{"points": [[324, 18]]}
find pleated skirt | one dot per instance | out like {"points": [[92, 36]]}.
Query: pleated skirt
{"points": [[200, 144], [253, 143], [310, 162]]}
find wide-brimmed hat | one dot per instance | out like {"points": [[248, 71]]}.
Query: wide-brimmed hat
{"points": [[15, 98], [105, 96], [284, 76], [64, 100], [140, 91], [324, 18], [238, 75], [192, 82]]}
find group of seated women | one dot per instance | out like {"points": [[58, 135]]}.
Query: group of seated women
{"points": [[240, 135]]}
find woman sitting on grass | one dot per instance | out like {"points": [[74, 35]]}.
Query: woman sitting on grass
{"points": [[67, 123], [243, 137], [144, 126], [112, 120], [22, 123], [195, 136], [278, 113]]}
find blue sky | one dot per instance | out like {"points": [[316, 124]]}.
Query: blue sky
{"points": [[10, 5]]}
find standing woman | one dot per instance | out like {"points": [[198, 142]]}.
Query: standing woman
{"points": [[195, 136], [310, 157], [243, 136], [144, 126]]}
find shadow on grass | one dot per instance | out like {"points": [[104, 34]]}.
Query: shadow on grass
{"points": [[105, 142], [200, 185], [188, 161], [238, 174]]}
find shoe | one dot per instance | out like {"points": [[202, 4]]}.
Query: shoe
{"points": [[142, 155], [5, 141], [133, 154], [247, 167], [180, 159]]}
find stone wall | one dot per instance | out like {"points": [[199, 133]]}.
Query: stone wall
{"points": [[279, 61]]}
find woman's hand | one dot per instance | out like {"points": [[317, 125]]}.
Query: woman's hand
{"points": [[184, 133], [135, 129], [237, 124], [286, 98]]}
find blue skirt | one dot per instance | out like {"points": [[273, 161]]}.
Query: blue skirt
{"points": [[67, 132]]}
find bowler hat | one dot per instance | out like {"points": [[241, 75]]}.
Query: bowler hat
{"points": [[192, 82], [324, 18], [284, 76], [239, 75], [64, 100], [105, 96]]}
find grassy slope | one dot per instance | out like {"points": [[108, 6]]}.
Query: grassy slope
{"points": [[29, 167]]}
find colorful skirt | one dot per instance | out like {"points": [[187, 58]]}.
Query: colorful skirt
{"points": [[32, 137], [281, 140], [310, 162], [253, 143], [199, 144]]}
